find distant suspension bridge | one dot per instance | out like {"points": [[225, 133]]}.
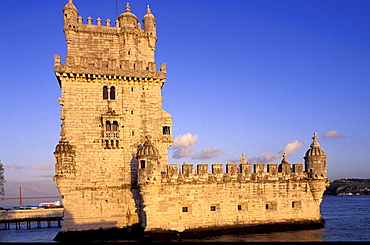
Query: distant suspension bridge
{"points": [[25, 193]]}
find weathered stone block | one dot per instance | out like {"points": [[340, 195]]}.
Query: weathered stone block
{"points": [[202, 169], [187, 169], [217, 169]]}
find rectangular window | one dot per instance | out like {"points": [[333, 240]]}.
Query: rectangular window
{"points": [[185, 209], [296, 204], [270, 206], [213, 208], [166, 130], [239, 207]]}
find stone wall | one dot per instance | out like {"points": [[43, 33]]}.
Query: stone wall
{"points": [[199, 200], [91, 208]]}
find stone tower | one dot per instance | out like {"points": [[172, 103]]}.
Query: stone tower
{"points": [[111, 111]]}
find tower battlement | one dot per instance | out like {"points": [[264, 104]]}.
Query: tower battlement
{"points": [[113, 67], [214, 173], [125, 48]]}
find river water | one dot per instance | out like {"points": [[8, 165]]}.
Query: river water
{"points": [[347, 219]]}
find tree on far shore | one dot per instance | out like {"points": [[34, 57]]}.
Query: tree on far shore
{"points": [[2, 181]]}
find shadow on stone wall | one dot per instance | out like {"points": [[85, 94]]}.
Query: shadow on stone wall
{"points": [[107, 231], [135, 190], [104, 231]]}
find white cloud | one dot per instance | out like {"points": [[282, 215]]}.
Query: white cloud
{"points": [[264, 158], [186, 140], [233, 161], [293, 146], [290, 148], [184, 145], [332, 134], [207, 153]]}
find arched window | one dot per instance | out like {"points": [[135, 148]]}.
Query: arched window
{"points": [[107, 126], [112, 93], [115, 126], [105, 92]]}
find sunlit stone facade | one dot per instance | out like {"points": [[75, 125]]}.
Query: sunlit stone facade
{"points": [[112, 159]]}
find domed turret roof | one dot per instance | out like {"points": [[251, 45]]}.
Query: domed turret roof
{"points": [[315, 149], [70, 5], [148, 150], [148, 13], [128, 13], [63, 146]]}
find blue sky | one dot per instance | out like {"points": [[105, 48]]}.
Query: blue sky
{"points": [[243, 76]]}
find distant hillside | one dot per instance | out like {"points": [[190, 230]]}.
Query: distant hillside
{"points": [[348, 187]]}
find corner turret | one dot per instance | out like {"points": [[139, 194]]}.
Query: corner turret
{"points": [[149, 23], [315, 160], [315, 166], [128, 19], [148, 161], [70, 15], [150, 27], [64, 154]]}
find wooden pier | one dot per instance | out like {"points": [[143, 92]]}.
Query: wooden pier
{"points": [[14, 218], [17, 222]]}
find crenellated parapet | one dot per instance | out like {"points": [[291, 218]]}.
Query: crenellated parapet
{"points": [[126, 22], [105, 27], [116, 67], [214, 173], [101, 47]]}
